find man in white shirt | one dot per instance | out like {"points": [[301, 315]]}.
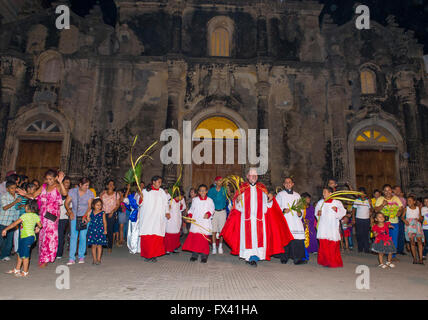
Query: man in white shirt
{"points": [[296, 248], [361, 213]]}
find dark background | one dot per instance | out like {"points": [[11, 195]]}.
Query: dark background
{"points": [[410, 14]]}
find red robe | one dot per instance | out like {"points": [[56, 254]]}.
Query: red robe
{"points": [[278, 234]]}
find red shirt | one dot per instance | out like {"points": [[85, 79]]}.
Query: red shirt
{"points": [[382, 233]]}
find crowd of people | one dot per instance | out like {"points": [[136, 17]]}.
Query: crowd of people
{"points": [[153, 220]]}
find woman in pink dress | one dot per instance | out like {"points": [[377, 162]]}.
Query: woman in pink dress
{"points": [[49, 200]]}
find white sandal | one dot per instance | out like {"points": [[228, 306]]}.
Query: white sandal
{"points": [[22, 274], [391, 265], [14, 271], [383, 266]]}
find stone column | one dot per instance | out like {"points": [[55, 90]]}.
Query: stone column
{"points": [[263, 90], [176, 32], [176, 86], [407, 95], [262, 43], [339, 148]]}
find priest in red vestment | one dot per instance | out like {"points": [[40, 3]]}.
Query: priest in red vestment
{"points": [[255, 229]]}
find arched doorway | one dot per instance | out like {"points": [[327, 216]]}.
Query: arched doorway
{"points": [[38, 139], [205, 173], [39, 149], [374, 149]]}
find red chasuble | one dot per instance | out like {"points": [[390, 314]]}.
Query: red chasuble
{"points": [[278, 234]]}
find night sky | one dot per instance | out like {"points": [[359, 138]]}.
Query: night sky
{"points": [[410, 14]]}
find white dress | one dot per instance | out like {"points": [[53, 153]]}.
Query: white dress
{"points": [[133, 240], [294, 222]]}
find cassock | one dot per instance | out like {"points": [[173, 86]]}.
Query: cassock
{"points": [[255, 228], [328, 232], [296, 248], [199, 235], [173, 225], [153, 223], [134, 204]]}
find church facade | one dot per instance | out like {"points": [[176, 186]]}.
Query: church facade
{"points": [[337, 101]]}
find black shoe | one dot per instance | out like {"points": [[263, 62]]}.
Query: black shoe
{"points": [[301, 262], [252, 263], [204, 260], [147, 259], [175, 251], [167, 253], [154, 260], [284, 261], [193, 259]]}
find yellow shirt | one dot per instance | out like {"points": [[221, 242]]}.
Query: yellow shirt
{"points": [[391, 209]]}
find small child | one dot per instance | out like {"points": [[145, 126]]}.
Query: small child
{"points": [[424, 212], [173, 224], [413, 229], [28, 221], [201, 211], [346, 233], [383, 241], [97, 230]]}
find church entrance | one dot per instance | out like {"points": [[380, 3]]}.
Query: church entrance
{"points": [[36, 157], [375, 159], [39, 149], [205, 173]]}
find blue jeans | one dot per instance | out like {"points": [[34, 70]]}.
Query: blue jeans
{"points": [[400, 242], [6, 242], [394, 235], [73, 241], [125, 226], [426, 243], [350, 241]]}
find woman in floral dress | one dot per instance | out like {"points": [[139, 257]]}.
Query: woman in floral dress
{"points": [[49, 200]]}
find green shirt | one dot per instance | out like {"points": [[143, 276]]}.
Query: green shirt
{"points": [[29, 222]]}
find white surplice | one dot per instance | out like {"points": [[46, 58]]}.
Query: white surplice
{"points": [[198, 209], [260, 252], [155, 207], [328, 227], [173, 225], [294, 222]]}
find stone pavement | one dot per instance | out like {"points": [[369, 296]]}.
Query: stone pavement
{"points": [[125, 276]]}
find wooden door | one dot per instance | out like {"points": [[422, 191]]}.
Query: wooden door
{"points": [[375, 168], [35, 157], [206, 173]]}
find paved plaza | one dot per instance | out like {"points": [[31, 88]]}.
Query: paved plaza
{"points": [[125, 276]]}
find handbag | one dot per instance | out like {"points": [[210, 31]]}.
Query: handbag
{"points": [[50, 216], [80, 224]]}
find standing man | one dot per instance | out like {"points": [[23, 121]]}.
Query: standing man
{"points": [[218, 194], [255, 228], [8, 214], [296, 248]]}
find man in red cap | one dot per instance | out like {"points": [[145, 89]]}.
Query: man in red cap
{"points": [[218, 194]]}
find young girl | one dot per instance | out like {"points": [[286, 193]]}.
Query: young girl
{"points": [[424, 212], [97, 230], [29, 221], [413, 229], [173, 225], [346, 233], [201, 211], [383, 243]]}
